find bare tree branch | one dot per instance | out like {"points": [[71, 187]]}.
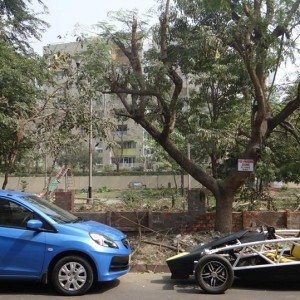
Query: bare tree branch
{"points": [[281, 29], [121, 114], [170, 114], [285, 112], [289, 128], [125, 102], [180, 157], [164, 24], [270, 11]]}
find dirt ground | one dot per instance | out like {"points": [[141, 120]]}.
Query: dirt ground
{"points": [[154, 248]]}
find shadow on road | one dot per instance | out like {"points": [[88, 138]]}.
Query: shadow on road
{"points": [[283, 285], [189, 286], [37, 288], [24, 287]]}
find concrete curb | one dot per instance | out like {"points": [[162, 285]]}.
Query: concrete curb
{"points": [[142, 268]]}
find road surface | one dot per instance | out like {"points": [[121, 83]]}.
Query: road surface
{"points": [[149, 286]]}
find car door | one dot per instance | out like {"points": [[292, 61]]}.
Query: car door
{"points": [[22, 251]]}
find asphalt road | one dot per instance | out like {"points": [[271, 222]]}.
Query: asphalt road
{"points": [[153, 287]]}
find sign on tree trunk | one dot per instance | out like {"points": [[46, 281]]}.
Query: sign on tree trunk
{"points": [[245, 165]]}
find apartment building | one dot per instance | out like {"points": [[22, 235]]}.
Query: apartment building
{"points": [[125, 147]]}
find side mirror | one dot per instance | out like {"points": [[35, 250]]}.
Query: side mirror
{"points": [[34, 224]]}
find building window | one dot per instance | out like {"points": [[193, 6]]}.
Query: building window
{"points": [[128, 144], [123, 160], [128, 160]]}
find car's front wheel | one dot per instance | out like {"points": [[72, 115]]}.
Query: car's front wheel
{"points": [[72, 276], [214, 274]]}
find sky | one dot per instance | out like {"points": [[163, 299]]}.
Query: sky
{"points": [[64, 15]]}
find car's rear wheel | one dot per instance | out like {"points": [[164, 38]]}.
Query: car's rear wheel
{"points": [[72, 275], [214, 274]]}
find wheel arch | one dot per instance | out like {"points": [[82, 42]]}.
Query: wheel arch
{"points": [[56, 258]]}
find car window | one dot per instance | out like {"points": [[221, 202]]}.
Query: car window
{"points": [[15, 215], [58, 214], [4, 211]]}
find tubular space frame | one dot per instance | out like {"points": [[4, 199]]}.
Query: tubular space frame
{"points": [[260, 248]]}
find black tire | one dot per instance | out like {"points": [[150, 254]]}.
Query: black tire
{"points": [[72, 276], [214, 274]]}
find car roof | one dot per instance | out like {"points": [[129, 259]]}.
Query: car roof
{"points": [[13, 194]]}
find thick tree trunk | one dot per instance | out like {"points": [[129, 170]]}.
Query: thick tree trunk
{"points": [[214, 165], [223, 222], [5, 182]]}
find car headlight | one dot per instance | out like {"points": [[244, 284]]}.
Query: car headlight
{"points": [[103, 240]]}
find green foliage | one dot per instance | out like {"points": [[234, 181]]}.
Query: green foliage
{"points": [[19, 90], [131, 197], [154, 199], [161, 160], [255, 200], [70, 120], [24, 185], [281, 157], [265, 168], [18, 24], [77, 157], [103, 189], [107, 169], [203, 82], [21, 75]]}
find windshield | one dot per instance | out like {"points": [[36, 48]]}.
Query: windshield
{"points": [[58, 214]]}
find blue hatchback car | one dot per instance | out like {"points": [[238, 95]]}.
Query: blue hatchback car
{"points": [[40, 241]]}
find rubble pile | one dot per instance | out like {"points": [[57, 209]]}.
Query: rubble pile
{"points": [[154, 249]]}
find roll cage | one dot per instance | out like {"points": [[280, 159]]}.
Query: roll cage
{"points": [[266, 253]]}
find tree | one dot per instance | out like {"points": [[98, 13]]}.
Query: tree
{"points": [[19, 91], [18, 24], [21, 74], [258, 33], [67, 116], [281, 157], [78, 159]]}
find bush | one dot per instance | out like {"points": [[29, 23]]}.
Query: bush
{"points": [[129, 197], [24, 185], [103, 189]]}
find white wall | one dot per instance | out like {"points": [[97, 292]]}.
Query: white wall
{"points": [[36, 184]]}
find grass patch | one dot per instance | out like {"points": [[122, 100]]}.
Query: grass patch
{"points": [[167, 199]]}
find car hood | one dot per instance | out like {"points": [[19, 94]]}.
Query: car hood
{"points": [[96, 227]]}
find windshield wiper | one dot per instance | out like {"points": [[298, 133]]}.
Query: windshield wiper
{"points": [[78, 220]]}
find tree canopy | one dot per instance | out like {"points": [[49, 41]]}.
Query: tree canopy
{"points": [[21, 75], [227, 51], [19, 24]]}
